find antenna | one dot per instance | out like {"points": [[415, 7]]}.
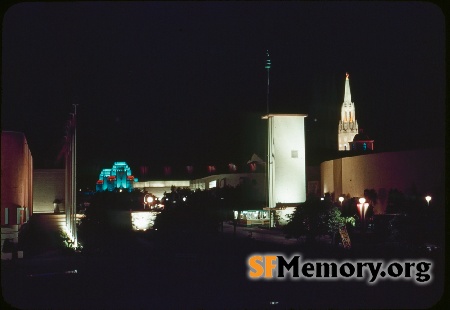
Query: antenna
{"points": [[268, 63], [75, 107], [267, 167]]}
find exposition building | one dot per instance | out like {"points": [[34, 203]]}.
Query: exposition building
{"points": [[16, 184], [413, 171], [420, 171]]}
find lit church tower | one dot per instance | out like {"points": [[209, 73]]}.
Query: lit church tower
{"points": [[348, 126]]}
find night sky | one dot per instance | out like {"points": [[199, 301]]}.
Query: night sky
{"points": [[184, 83]]}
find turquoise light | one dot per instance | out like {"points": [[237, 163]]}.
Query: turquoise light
{"points": [[117, 177], [268, 63]]}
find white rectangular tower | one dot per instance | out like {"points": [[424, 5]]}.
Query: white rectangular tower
{"points": [[286, 159]]}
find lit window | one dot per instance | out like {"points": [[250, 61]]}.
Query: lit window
{"points": [[213, 184]]}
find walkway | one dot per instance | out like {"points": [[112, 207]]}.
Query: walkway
{"points": [[42, 235], [260, 234]]}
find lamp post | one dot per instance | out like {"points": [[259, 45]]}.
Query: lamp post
{"points": [[362, 205], [365, 207], [148, 200], [341, 199], [428, 198]]}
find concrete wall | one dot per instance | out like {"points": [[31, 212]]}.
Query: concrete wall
{"points": [[228, 179], [421, 169], [158, 188], [48, 186], [287, 170], [16, 183]]}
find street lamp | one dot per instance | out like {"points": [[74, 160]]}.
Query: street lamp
{"points": [[428, 198], [363, 207], [341, 199], [148, 200]]}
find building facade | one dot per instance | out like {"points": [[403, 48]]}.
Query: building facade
{"points": [[286, 159], [157, 188], [421, 171], [17, 185], [348, 125], [119, 176], [48, 190], [361, 142]]}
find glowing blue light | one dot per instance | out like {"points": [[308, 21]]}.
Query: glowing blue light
{"points": [[119, 176]]}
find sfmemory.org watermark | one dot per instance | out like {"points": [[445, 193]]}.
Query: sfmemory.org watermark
{"points": [[279, 267]]}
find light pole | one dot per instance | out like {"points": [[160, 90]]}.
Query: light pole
{"points": [[362, 205], [148, 200], [365, 207], [341, 199], [428, 198]]}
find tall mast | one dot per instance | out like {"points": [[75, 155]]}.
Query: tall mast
{"points": [[74, 178], [269, 139], [268, 63]]}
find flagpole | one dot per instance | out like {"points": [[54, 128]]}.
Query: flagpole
{"points": [[268, 196], [74, 210], [268, 63]]}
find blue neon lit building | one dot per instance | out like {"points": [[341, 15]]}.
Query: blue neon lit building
{"points": [[119, 176]]}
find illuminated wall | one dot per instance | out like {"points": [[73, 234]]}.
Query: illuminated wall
{"points": [[119, 176], [422, 169], [286, 169], [48, 185], [16, 184], [158, 188], [228, 179]]}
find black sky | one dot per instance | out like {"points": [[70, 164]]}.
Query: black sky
{"points": [[182, 83]]}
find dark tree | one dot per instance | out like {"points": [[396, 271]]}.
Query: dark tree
{"points": [[313, 218], [371, 196], [396, 202], [189, 212], [107, 219]]}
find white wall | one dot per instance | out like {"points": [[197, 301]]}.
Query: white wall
{"points": [[158, 188], [229, 179], [287, 172]]}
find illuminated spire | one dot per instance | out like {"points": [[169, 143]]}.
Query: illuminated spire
{"points": [[348, 126], [347, 95]]}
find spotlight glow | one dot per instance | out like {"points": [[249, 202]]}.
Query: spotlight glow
{"points": [[143, 220]]}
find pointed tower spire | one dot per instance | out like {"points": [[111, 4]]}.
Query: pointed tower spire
{"points": [[347, 95], [348, 126]]}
